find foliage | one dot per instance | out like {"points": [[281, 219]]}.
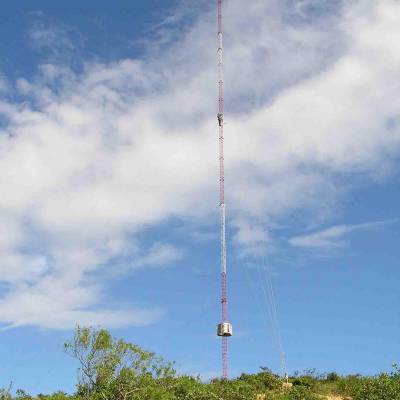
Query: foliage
{"points": [[5, 394], [263, 381], [301, 393], [332, 377], [22, 395], [308, 379], [304, 381], [382, 387], [112, 369]]}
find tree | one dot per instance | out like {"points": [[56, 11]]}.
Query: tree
{"points": [[113, 368]]}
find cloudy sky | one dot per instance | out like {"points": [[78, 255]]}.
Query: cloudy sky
{"points": [[109, 182]]}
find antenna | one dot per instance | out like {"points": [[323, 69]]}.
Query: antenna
{"points": [[224, 329]]}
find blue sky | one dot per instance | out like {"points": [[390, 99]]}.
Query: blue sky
{"points": [[109, 184]]}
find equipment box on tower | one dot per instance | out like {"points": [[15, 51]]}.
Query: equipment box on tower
{"points": [[224, 329]]}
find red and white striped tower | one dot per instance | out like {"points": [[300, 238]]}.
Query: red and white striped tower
{"points": [[224, 329]]}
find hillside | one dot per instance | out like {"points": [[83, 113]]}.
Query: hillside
{"points": [[111, 368]]}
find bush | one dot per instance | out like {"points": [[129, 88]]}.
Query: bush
{"points": [[381, 387], [300, 393], [5, 394], [112, 369], [263, 381], [305, 381], [332, 377]]}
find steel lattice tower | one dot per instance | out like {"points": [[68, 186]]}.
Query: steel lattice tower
{"points": [[224, 329]]}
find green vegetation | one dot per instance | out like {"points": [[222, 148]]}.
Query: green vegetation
{"points": [[381, 387], [112, 369]]}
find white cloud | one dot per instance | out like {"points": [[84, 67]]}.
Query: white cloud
{"points": [[333, 236], [50, 310], [57, 40], [159, 254], [93, 159], [251, 238], [10, 232]]}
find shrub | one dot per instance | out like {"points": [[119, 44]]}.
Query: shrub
{"points": [[305, 381], [5, 394], [332, 377], [300, 393], [381, 387], [263, 381], [112, 368]]}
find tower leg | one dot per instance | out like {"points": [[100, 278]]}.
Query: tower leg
{"points": [[225, 358]]}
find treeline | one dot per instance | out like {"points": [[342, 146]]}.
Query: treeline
{"points": [[112, 369]]}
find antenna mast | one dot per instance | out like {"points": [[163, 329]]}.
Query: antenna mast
{"points": [[224, 329]]}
